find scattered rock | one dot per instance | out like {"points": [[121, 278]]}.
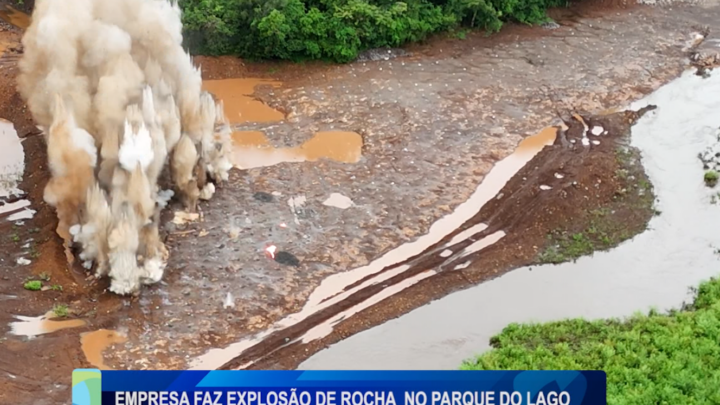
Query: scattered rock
{"points": [[182, 217], [229, 301], [263, 197], [338, 201], [287, 259]]}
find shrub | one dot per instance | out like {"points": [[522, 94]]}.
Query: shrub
{"points": [[338, 29], [649, 359], [711, 178]]}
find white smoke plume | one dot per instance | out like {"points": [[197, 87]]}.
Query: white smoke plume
{"points": [[118, 99]]}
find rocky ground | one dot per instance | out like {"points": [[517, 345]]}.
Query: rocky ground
{"points": [[433, 121]]}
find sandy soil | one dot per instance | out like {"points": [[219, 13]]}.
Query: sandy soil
{"points": [[465, 105]]}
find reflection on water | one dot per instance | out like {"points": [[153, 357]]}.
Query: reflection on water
{"points": [[252, 149], [240, 106]]}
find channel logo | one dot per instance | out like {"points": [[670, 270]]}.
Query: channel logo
{"points": [[86, 387]]}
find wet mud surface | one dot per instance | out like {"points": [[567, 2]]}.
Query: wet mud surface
{"points": [[599, 191], [432, 124]]}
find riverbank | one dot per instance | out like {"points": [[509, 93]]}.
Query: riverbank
{"points": [[653, 358]]}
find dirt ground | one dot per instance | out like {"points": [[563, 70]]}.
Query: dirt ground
{"points": [[465, 105]]}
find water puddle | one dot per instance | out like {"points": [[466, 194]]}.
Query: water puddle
{"points": [[338, 287], [325, 328], [654, 269], [41, 325], [483, 243], [15, 17], [252, 149], [94, 344], [240, 106]]}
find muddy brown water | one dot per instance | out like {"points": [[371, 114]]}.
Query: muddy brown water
{"points": [[253, 149], [239, 103], [96, 342], [654, 269], [336, 289]]}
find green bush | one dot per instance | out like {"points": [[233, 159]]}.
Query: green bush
{"points": [[649, 359], [338, 29]]}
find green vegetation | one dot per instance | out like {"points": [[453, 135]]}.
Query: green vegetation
{"points": [[44, 276], [56, 287], [649, 359], [609, 224], [61, 310], [339, 30], [33, 285], [711, 178], [603, 233]]}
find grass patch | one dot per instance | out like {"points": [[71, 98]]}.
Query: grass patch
{"points": [[566, 247], [711, 178], [603, 233], [614, 221], [33, 285], [649, 359], [61, 310]]}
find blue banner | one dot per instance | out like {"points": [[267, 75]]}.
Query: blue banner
{"points": [[340, 387]]}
